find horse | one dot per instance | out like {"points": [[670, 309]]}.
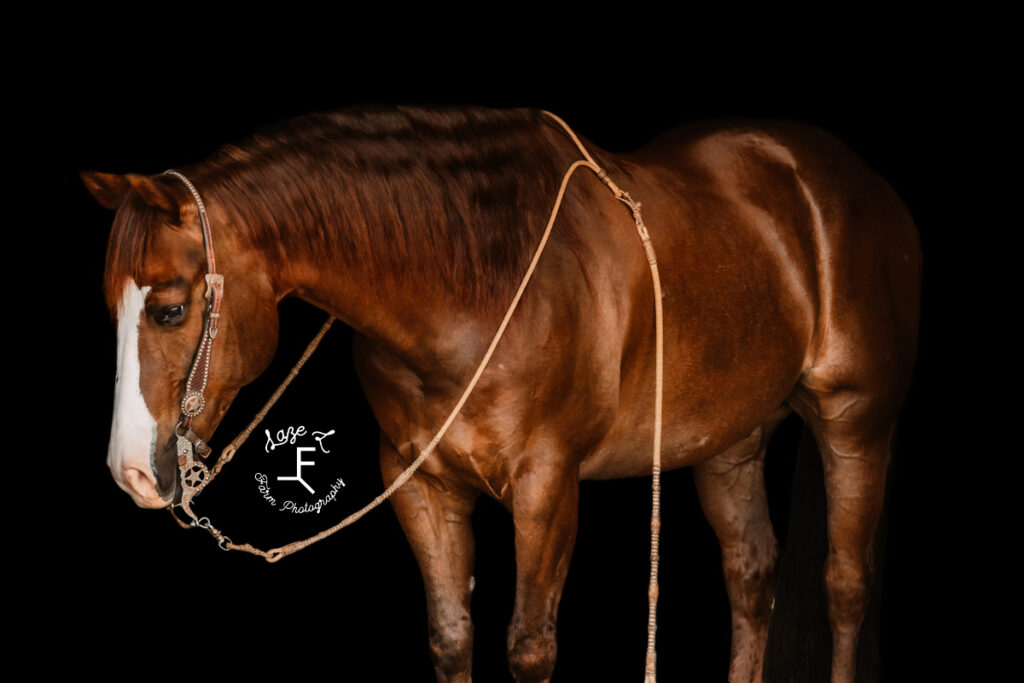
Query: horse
{"points": [[790, 283]]}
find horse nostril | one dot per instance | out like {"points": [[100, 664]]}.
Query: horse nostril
{"points": [[139, 483], [143, 488]]}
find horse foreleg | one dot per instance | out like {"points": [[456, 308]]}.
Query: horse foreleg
{"points": [[544, 508], [436, 521], [732, 494]]}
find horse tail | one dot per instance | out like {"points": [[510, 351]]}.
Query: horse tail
{"points": [[799, 637]]}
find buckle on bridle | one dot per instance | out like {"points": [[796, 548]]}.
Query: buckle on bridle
{"points": [[214, 294]]}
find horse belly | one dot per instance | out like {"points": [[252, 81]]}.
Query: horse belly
{"points": [[694, 428]]}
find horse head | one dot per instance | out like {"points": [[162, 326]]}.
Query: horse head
{"points": [[155, 285]]}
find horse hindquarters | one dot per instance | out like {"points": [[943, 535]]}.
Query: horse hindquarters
{"points": [[859, 371]]}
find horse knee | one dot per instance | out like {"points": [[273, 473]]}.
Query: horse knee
{"points": [[532, 657], [846, 584], [451, 646]]}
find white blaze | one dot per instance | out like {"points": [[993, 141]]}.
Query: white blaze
{"points": [[133, 431]]}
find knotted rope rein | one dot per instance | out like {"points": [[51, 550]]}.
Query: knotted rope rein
{"points": [[275, 554]]}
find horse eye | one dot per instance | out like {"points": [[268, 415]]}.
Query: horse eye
{"points": [[171, 314]]}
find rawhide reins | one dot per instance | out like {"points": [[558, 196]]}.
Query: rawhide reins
{"points": [[195, 476]]}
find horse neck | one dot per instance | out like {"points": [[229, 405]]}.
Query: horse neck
{"points": [[398, 317], [425, 243], [389, 298]]}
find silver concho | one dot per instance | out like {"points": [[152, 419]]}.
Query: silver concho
{"points": [[192, 403], [195, 475]]}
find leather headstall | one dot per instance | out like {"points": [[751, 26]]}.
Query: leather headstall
{"points": [[194, 474]]}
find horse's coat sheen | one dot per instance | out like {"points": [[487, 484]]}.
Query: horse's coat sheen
{"points": [[791, 280]]}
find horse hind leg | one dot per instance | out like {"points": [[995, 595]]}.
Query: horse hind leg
{"points": [[732, 494], [853, 429]]}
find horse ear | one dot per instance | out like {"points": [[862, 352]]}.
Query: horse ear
{"points": [[109, 189], [158, 193]]}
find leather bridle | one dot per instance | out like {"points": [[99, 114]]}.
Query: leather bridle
{"points": [[194, 474]]}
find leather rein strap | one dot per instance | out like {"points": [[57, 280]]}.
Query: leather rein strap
{"points": [[195, 476]]}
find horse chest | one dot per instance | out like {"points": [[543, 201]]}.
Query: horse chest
{"points": [[551, 404]]}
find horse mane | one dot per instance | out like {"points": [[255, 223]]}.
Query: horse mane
{"points": [[411, 196]]}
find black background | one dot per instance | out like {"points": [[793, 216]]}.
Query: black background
{"points": [[125, 580]]}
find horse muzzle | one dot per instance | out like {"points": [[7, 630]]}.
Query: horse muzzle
{"points": [[141, 485]]}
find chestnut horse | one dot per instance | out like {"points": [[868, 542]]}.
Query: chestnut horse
{"points": [[791, 277]]}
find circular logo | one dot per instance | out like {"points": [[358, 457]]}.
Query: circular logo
{"points": [[301, 474]]}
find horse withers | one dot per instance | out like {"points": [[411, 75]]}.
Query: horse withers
{"points": [[791, 282]]}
